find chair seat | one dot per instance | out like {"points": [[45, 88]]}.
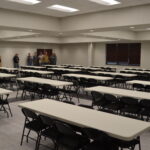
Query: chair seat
{"points": [[101, 103], [95, 146], [73, 142], [127, 144], [35, 125], [133, 110], [51, 133], [145, 112], [113, 106], [3, 102]]}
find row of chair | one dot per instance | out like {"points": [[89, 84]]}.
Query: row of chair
{"points": [[126, 106], [46, 91], [70, 136], [7, 82]]}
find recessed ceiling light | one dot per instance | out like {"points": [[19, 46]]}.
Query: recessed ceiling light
{"points": [[106, 2], [63, 8], [27, 2], [132, 27], [91, 30]]}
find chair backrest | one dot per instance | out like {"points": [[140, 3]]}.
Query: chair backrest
{"points": [[96, 96], [29, 113], [136, 85], [129, 100], [145, 103], [110, 98], [47, 120], [119, 77], [94, 134], [69, 102], [86, 106], [83, 79], [92, 80], [64, 128], [147, 87], [47, 87]]}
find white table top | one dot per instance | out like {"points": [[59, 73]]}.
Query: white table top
{"points": [[120, 92], [37, 71], [72, 65], [138, 82], [6, 75], [115, 73], [88, 76], [55, 66], [91, 68], [45, 81], [4, 91], [136, 71], [66, 69], [10, 69], [35, 67], [116, 126]]}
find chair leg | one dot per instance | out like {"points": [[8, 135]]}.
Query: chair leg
{"points": [[38, 142], [22, 135], [139, 144], [10, 110], [28, 135], [4, 109], [17, 93]]}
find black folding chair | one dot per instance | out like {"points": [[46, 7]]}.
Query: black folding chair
{"points": [[3, 103], [32, 123]]}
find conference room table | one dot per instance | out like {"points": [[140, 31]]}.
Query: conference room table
{"points": [[7, 75], [101, 78], [5, 91], [115, 126], [138, 82], [65, 69], [37, 71], [71, 65], [115, 74], [120, 92], [9, 69], [86, 68], [33, 67], [136, 71], [55, 83], [54, 66]]}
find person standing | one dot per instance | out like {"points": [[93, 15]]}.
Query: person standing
{"points": [[53, 59], [29, 60], [45, 58], [40, 58], [35, 59], [16, 61]]}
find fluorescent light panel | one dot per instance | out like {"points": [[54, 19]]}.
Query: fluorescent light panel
{"points": [[106, 2], [27, 2], [62, 8]]}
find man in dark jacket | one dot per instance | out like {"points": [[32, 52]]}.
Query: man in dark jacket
{"points": [[16, 61], [53, 59]]}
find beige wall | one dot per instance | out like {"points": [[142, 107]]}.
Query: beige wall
{"points": [[78, 54], [99, 55], [66, 53], [74, 54], [7, 51], [145, 55]]}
